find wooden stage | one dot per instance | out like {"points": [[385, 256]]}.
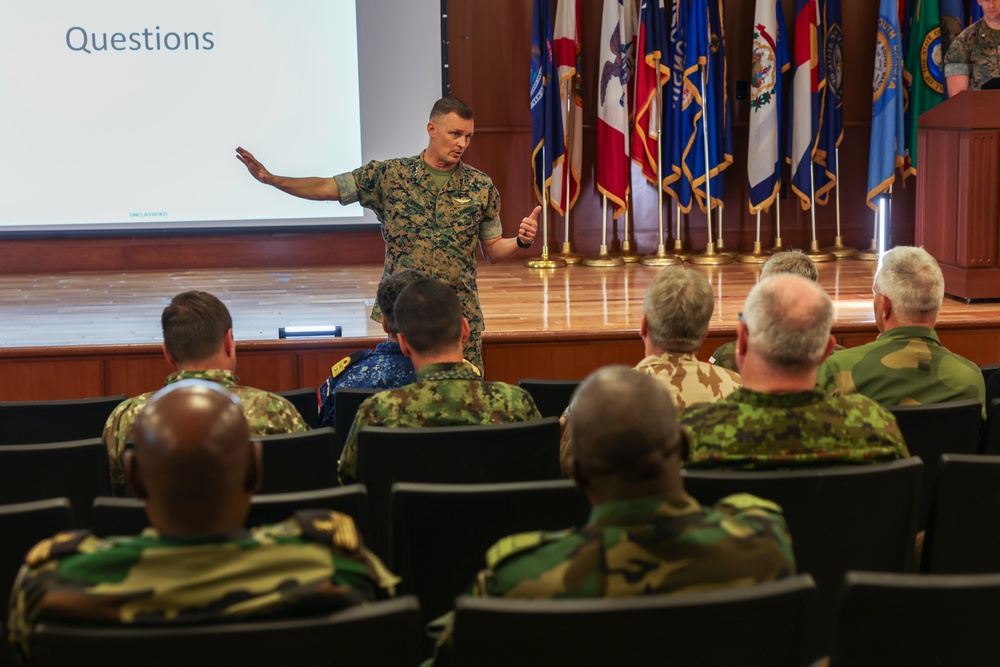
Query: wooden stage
{"points": [[89, 334]]}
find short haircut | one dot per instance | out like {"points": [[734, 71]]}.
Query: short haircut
{"points": [[912, 280], [429, 316], [795, 262], [447, 105], [788, 320], [678, 308], [388, 291], [194, 326]]}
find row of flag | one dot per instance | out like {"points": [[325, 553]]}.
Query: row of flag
{"points": [[662, 101]]}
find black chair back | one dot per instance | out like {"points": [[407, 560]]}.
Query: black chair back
{"points": [[32, 422], [550, 396], [299, 461], [76, 470], [378, 634], [918, 619], [992, 444], [856, 517], [306, 401], [937, 428], [440, 532], [681, 629], [479, 454], [345, 406], [963, 527]]}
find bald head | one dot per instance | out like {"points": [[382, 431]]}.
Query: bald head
{"points": [[193, 461], [788, 320], [623, 433]]}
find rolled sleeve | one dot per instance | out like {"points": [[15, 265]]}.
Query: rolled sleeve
{"points": [[348, 187]]}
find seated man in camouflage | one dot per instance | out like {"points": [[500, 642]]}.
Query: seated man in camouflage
{"points": [[385, 367], [906, 364], [198, 343], [447, 390], [675, 316], [780, 418], [645, 535], [196, 468]]}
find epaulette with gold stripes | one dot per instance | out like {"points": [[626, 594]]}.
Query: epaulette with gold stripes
{"points": [[329, 527], [61, 544], [518, 544], [344, 363]]}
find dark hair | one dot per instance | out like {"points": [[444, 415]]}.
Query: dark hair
{"points": [[388, 291], [429, 316], [447, 105], [194, 326]]}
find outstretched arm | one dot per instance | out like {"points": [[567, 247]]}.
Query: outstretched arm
{"points": [[313, 187], [498, 249]]}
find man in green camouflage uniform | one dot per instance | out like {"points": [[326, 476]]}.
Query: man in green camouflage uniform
{"points": [[434, 210], [195, 467], [447, 390], [974, 56], [198, 342], [645, 535], [906, 364], [675, 316], [780, 418]]}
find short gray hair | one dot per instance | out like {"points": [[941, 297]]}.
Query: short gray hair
{"points": [[790, 261], [788, 320], [678, 308], [912, 280]]}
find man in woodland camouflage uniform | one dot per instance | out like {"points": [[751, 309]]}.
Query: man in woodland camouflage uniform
{"points": [[645, 535], [974, 56], [385, 367], [195, 467], [906, 364], [675, 316], [447, 390], [434, 210], [780, 418], [198, 343]]}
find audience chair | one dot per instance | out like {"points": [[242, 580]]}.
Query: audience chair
{"points": [[23, 525], [766, 624], [963, 527], [988, 373], [918, 619], [854, 517], [76, 470], [478, 454], [127, 516], [298, 461], [440, 532], [992, 444], [306, 401], [345, 406], [382, 633], [937, 428], [31, 422], [551, 396]]}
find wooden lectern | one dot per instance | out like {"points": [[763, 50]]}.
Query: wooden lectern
{"points": [[958, 205]]}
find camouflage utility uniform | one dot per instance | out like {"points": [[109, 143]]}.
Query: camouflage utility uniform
{"points": [[974, 53], [687, 380], [725, 356], [751, 429], [266, 413], [385, 367], [448, 394], [433, 230], [904, 366], [313, 561]]}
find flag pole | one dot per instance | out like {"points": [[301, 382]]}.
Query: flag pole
{"points": [[838, 248], [661, 258], [758, 256], [567, 254], [870, 255], [603, 259], [815, 254], [545, 262], [628, 255]]}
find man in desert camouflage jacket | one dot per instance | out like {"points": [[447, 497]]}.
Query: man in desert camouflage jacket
{"points": [[435, 210], [196, 468], [906, 364], [780, 418], [198, 343], [447, 390]]}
